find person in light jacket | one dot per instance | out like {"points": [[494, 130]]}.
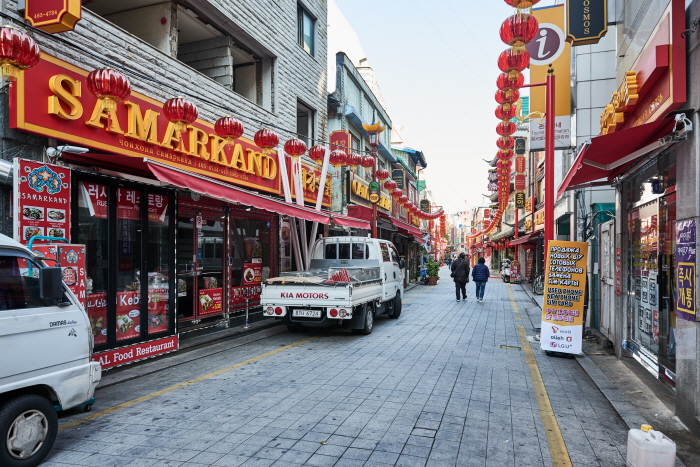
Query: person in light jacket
{"points": [[460, 271], [480, 274]]}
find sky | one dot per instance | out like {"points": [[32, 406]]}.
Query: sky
{"points": [[435, 63]]}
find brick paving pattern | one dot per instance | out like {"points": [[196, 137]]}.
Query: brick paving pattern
{"points": [[445, 385]]}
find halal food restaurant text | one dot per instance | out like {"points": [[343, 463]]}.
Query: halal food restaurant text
{"points": [[51, 99]]}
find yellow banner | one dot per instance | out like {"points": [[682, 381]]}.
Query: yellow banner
{"points": [[564, 294]]}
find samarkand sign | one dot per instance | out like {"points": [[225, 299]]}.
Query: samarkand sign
{"points": [[51, 99]]}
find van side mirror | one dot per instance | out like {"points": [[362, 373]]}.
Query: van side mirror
{"points": [[402, 263], [50, 284]]}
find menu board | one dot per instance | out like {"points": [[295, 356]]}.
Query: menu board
{"points": [[564, 289], [157, 310], [97, 312], [42, 200]]}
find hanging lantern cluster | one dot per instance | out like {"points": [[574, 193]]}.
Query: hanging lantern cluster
{"points": [[516, 31]]}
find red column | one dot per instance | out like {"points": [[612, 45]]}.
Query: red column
{"points": [[549, 161]]}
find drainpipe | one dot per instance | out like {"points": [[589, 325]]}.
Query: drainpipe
{"points": [[6, 169]]}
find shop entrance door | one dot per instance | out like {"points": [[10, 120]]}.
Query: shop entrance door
{"points": [[201, 248], [607, 279]]}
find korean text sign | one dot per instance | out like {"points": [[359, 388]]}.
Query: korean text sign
{"points": [[685, 270], [564, 289]]}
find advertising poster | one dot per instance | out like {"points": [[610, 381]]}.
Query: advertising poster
{"points": [[564, 288], [685, 270], [42, 201], [128, 315], [211, 301], [71, 260], [97, 312], [157, 308]]}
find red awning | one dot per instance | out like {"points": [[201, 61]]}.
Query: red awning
{"points": [[526, 239], [604, 157], [226, 192]]}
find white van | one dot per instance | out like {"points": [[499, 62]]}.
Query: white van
{"points": [[45, 350]]}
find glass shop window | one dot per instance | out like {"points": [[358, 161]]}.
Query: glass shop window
{"points": [[251, 243]]}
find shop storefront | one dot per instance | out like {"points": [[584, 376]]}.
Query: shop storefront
{"points": [[179, 225], [650, 243]]}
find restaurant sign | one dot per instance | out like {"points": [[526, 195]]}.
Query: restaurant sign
{"points": [[310, 181], [51, 99], [424, 205], [586, 21], [52, 15], [398, 176], [360, 194]]}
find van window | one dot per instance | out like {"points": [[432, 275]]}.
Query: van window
{"points": [[394, 254], [17, 289], [359, 251], [344, 252], [330, 251], [385, 252]]}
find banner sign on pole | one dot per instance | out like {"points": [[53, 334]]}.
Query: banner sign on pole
{"points": [[685, 270], [564, 288], [586, 21]]}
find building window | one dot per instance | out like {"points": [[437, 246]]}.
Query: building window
{"points": [[305, 30], [305, 123]]}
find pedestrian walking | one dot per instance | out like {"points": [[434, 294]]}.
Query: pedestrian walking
{"points": [[448, 260], [460, 273], [480, 274]]}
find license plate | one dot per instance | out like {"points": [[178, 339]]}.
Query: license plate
{"points": [[306, 313]]}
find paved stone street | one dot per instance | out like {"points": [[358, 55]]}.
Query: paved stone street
{"points": [[447, 384]]}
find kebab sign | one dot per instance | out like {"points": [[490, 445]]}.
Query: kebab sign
{"points": [[564, 288]]}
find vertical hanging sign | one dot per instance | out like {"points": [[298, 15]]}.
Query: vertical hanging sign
{"points": [[564, 288], [685, 270], [42, 200], [586, 21]]}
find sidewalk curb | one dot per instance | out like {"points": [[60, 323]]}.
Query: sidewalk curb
{"points": [[619, 401]]}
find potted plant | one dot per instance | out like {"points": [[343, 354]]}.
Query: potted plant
{"points": [[433, 272]]}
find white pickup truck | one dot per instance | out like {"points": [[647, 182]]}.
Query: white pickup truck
{"points": [[351, 280], [46, 345]]}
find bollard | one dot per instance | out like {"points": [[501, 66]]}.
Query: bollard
{"points": [[247, 325]]}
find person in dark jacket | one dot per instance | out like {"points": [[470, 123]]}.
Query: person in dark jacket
{"points": [[480, 274], [460, 270]]}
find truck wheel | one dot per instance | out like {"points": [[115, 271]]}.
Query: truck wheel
{"points": [[397, 307], [369, 320], [28, 427]]}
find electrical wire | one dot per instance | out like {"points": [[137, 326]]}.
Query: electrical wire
{"points": [[179, 92]]}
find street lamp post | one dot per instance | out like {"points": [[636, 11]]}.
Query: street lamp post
{"points": [[373, 132]]}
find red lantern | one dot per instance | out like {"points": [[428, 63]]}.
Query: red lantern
{"points": [[504, 164], [317, 153], [403, 199], [338, 158], [519, 29], [354, 160], [382, 174], [18, 51], [506, 128], [266, 139], [512, 61], [390, 185], [503, 114], [295, 148], [504, 154], [507, 96], [504, 81], [505, 142], [109, 86], [367, 161], [181, 112], [522, 4], [229, 128], [397, 193]]}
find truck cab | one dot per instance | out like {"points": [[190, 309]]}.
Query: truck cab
{"points": [[46, 343]]}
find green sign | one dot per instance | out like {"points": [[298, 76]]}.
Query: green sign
{"points": [[373, 186]]}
